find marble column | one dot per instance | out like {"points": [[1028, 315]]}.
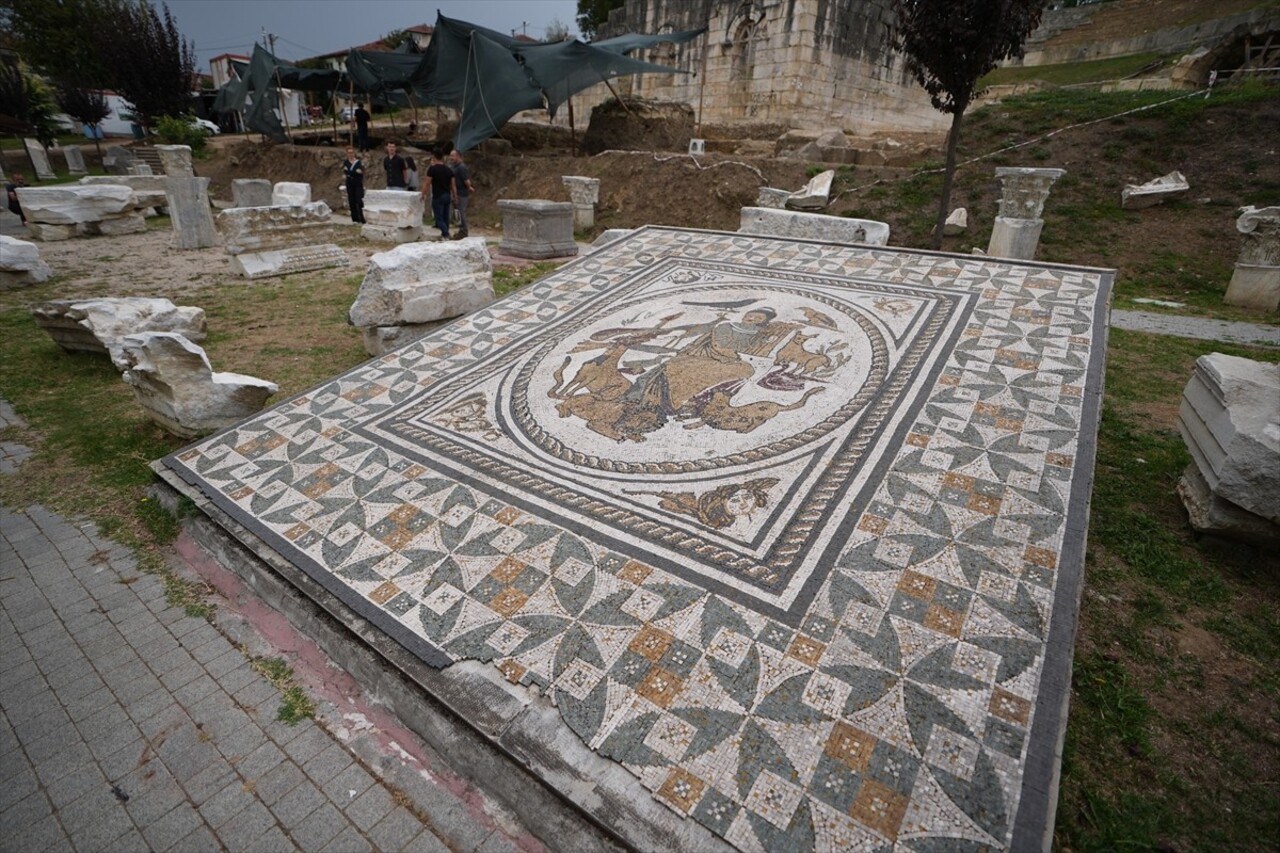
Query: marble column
{"points": [[1256, 280], [584, 193], [1023, 193]]}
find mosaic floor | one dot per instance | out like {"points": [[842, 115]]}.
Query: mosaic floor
{"points": [[793, 531]]}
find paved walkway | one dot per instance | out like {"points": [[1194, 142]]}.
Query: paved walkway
{"points": [[126, 724], [1196, 327]]}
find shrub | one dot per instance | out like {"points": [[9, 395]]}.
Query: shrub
{"points": [[177, 130]]}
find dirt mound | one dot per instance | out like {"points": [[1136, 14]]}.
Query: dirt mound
{"points": [[637, 124]]}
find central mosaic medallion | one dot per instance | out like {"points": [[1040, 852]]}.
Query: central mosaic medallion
{"points": [[721, 424]]}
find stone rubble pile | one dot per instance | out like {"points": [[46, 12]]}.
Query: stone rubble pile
{"points": [[409, 288], [99, 325], [1230, 421], [20, 264], [174, 382]]}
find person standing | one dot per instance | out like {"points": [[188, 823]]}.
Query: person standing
{"points": [[361, 117], [411, 177], [442, 190], [463, 190], [11, 193], [353, 171], [396, 168]]}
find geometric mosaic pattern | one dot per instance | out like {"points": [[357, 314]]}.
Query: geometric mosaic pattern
{"points": [[791, 530]]}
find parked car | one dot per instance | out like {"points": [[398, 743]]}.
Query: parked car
{"points": [[209, 128], [348, 113]]}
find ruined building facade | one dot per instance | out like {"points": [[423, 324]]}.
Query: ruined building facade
{"points": [[798, 63]]}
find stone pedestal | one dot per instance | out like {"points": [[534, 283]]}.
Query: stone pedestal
{"points": [[250, 192], [1256, 280], [190, 213], [75, 160], [176, 160], [813, 226], [1017, 228], [39, 160], [537, 229], [392, 216], [584, 194], [289, 193]]}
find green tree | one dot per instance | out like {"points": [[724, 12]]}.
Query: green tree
{"points": [[592, 14], [395, 38], [60, 37], [153, 65], [949, 45], [26, 103]]}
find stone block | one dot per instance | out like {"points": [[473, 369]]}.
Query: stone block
{"points": [[697, 146], [391, 233], [118, 160], [816, 194], [251, 192], [394, 208], [190, 213], [584, 193], [537, 229], [1253, 286], [1015, 238], [75, 160], [99, 325], [176, 160], [140, 168], [423, 282], [285, 261], [134, 223], [172, 379], [72, 204], [957, 223], [1153, 192], [1230, 421], [40, 160], [380, 340], [259, 229], [813, 226], [832, 138], [20, 264], [150, 189], [290, 193], [49, 233]]}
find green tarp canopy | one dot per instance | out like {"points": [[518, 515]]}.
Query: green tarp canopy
{"points": [[485, 75]]}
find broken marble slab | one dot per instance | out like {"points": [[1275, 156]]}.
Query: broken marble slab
{"points": [[1230, 421], [290, 193], [422, 282], [75, 204], [957, 223], [1153, 192], [813, 226], [290, 260], [99, 325], [150, 189], [20, 263], [174, 382], [816, 194], [251, 192], [260, 229]]}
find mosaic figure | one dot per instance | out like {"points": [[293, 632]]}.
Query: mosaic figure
{"points": [[721, 507], [693, 373]]}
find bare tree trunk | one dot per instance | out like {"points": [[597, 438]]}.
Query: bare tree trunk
{"points": [[948, 178]]}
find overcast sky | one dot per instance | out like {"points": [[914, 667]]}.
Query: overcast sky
{"points": [[311, 27]]}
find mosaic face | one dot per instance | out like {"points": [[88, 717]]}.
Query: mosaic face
{"points": [[792, 531]]}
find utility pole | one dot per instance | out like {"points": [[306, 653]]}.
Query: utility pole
{"points": [[284, 112]]}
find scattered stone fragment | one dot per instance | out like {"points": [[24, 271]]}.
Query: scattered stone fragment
{"points": [[172, 379], [816, 194], [1157, 191], [40, 159], [75, 160], [1230, 421], [176, 160], [772, 198], [20, 263], [99, 325], [251, 192], [422, 282], [276, 262], [813, 226], [957, 222]]}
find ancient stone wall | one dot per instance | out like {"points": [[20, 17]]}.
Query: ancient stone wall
{"points": [[801, 63]]}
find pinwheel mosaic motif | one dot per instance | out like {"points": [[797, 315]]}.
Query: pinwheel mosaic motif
{"points": [[791, 530]]}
